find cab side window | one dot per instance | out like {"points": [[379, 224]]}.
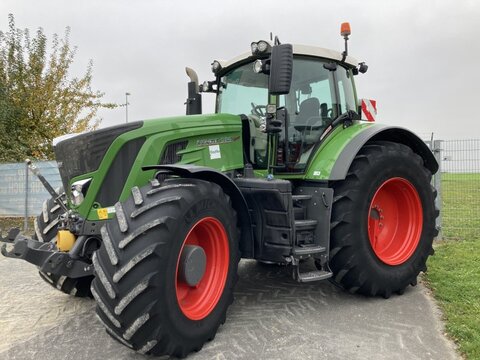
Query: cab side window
{"points": [[345, 90]]}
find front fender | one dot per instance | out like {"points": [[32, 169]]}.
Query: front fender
{"points": [[332, 161], [229, 187]]}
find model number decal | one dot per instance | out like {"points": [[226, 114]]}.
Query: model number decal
{"points": [[217, 141]]}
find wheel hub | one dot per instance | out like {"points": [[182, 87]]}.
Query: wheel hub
{"points": [[395, 221], [202, 268], [191, 267]]}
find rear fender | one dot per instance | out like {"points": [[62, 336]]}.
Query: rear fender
{"points": [[229, 187], [342, 152]]}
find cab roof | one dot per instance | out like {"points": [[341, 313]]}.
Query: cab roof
{"points": [[299, 50]]}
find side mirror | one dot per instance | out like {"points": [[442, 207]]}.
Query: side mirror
{"points": [[281, 67]]}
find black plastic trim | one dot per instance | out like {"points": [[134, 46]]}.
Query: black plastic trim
{"points": [[271, 212], [84, 153], [117, 174]]}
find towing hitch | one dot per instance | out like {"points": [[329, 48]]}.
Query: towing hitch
{"points": [[44, 255]]}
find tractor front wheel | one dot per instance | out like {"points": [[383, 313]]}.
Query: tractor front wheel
{"points": [[383, 221], [167, 268]]}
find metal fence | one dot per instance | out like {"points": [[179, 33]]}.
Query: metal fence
{"points": [[457, 183], [459, 188], [21, 193]]}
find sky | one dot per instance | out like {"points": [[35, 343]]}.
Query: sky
{"points": [[422, 55]]}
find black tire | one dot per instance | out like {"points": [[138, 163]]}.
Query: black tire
{"points": [[136, 267], [45, 223], [356, 265], [46, 230]]}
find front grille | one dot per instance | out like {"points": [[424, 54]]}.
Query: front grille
{"points": [[83, 153], [170, 154], [117, 174]]}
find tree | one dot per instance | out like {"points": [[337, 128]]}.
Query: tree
{"points": [[38, 100]]}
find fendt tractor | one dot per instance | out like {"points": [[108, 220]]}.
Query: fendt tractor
{"points": [[155, 215]]}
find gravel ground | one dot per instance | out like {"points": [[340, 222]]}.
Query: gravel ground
{"points": [[273, 317]]}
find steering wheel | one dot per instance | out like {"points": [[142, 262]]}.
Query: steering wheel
{"points": [[259, 110]]}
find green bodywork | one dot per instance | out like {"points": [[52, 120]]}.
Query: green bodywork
{"points": [[205, 135], [326, 154], [215, 141], [203, 132], [322, 161]]}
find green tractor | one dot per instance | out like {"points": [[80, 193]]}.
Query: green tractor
{"points": [[289, 170]]}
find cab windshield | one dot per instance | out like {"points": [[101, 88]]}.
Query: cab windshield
{"points": [[241, 90], [316, 98]]}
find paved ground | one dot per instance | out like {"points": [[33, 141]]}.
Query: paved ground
{"points": [[273, 317]]}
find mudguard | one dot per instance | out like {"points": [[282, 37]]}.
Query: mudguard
{"points": [[229, 187], [333, 159]]}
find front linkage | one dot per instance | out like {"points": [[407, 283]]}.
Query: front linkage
{"points": [[44, 255], [50, 258]]}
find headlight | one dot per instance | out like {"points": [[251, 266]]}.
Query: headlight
{"points": [[263, 46], [216, 67], [79, 191], [254, 47], [205, 87], [260, 47], [261, 66], [258, 66]]}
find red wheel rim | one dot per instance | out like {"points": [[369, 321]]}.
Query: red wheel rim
{"points": [[395, 221], [197, 302]]}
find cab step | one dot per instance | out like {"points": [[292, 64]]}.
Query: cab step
{"points": [[310, 276], [296, 198], [305, 225], [308, 250]]}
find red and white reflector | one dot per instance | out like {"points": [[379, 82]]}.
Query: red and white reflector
{"points": [[369, 109]]}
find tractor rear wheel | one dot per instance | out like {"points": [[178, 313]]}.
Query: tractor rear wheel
{"points": [[46, 230], [383, 221], [167, 268]]}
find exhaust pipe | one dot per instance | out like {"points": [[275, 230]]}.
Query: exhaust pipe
{"points": [[194, 99]]}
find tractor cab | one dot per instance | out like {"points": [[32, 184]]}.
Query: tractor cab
{"points": [[321, 90], [290, 98]]}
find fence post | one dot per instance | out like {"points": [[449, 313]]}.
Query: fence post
{"points": [[437, 183], [25, 220]]}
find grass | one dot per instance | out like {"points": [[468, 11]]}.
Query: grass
{"points": [[461, 206], [454, 276], [454, 271]]}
